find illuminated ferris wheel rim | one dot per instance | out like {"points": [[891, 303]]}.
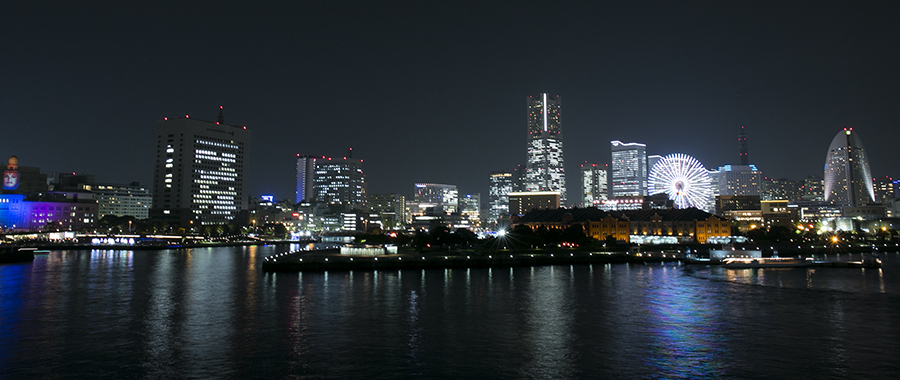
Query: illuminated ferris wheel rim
{"points": [[683, 179]]}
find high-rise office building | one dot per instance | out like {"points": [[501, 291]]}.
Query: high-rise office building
{"points": [[441, 198], [740, 180], [340, 182], [391, 208], [629, 169], [470, 208], [780, 189], [652, 160], [884, 189], [500, 187], [848, 179], [306, 175], [123, 200], [594, 188], [200, 175], [812, 189], [544, 169]]}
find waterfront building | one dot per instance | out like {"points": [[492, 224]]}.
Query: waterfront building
{"points": [[778, 213], [884, 189], [780, 189], [740, 180], [441, 198], [498, 197], [629, 169], [340, 182], [122, 199], [200, 175], [597, 224], [652, 160], [848, 179], [391, 208], [22, 179], [594, 184], [682, 225], [470, 208], [306, 175], [46, 212], [523, 202], [813, 189], [544, 168]]}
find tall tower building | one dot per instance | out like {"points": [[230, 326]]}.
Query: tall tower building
{"points": [[594, 189], [544, 168], [340, 181], [199, 176], [306, 175], [629, 169], [502, 183], [848, 179]]}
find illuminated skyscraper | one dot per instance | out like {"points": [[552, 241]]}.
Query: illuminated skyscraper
{"points": [[848, 179], [441, 198], [340, 181], [544, 168], [594, 189], [502, 183], [740, 180], [199, 176], [306, 175], [629, 169]]}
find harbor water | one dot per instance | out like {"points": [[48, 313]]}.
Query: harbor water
{"points": [[213, 313]]}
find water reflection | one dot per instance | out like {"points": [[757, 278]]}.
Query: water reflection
{"points": [[211, 313], [546, 331]]}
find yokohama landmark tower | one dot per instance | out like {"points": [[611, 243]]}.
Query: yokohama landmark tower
{"points": [[544, 169]]}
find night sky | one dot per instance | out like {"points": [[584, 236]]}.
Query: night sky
{"points": [[428, 92]]}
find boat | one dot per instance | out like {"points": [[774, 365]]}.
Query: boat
{"points": [[16, 255], [765, 262]]}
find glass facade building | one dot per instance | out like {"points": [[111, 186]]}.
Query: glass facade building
{"points": [[438, 196], [502, 183], [123, 200], [740, 180], [340, 181], [629, 169], [848, 179], [544, 169], [594, 188], [306, 174]]}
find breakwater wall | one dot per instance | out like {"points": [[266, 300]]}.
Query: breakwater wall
{"points": [[324, 261]]}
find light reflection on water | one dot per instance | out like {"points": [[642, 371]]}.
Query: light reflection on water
{"points": [[212, 313]]}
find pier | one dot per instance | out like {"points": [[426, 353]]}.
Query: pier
{"points": [[300, 261]]}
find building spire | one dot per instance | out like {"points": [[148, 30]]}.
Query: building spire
{"points": [[221, 116], [742, 140]]}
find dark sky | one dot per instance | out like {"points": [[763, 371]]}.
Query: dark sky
{"points": [[428, 92]]}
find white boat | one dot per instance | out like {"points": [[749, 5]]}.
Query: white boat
{"points": [[765, 262]]}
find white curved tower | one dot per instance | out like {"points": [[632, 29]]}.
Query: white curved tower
{"points": [[848, 179], [683, 179]]}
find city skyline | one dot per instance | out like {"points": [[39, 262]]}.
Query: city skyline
{"points": [[424, 98]]}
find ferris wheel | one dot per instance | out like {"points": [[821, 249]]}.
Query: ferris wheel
{"points": [[683, 179]]}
